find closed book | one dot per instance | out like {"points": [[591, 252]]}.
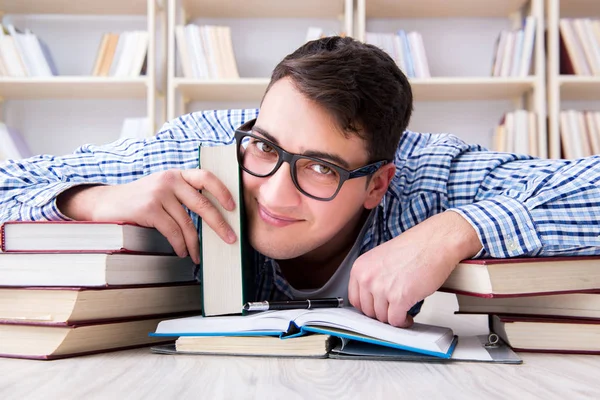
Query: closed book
{"points": [[347, 323], [548, 335], [88, 236], [518, 276], [71, 305], [92, 269], [227, 272]]}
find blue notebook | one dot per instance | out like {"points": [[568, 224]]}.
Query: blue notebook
{"points": [[345, 323]]}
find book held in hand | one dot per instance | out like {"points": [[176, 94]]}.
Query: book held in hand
{"points": [[84, 236], [345, 323]]}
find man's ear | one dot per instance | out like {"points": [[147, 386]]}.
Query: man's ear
{"points": [[380, 181]]}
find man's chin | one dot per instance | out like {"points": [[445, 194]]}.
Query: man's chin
{"points": [[277, 249]]}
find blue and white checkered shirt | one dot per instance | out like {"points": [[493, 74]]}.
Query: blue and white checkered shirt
{"points": [[519, 205]]}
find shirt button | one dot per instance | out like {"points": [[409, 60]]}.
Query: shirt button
{"points": [[511, 244]]}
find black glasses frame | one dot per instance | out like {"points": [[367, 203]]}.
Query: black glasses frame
{"points": [[292, 158]]}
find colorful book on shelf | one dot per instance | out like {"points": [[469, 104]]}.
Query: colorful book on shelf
{"points": [[548, 335], [519, 276], [84, 236], [227, 272], [76, 305], [346, 323]]}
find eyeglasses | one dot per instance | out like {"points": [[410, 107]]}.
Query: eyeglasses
{"points": [[313, 177]]}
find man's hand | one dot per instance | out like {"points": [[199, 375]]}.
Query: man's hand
{"points": [[388, 280], [156, 201]]}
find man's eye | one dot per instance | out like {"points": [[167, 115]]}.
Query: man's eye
{"points": [[321, 169], [264, 147]]}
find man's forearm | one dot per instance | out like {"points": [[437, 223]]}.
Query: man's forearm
{"points": [[463, 239], [79, 202]]}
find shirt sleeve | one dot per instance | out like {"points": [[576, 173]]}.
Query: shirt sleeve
{"points": [[525, 206], [28, 188]]}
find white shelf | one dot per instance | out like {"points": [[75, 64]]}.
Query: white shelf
{"points": [[263, 8], [459, 88], [579, 8], [574, 87], [442, 8], [73, 87], [243, 89], [79, 7]]}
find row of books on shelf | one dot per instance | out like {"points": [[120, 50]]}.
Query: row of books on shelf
{"points": [[24, 54], [407, 50], [517, 133], [580, 133], [579, 46], [122, 54], [514, 50]]}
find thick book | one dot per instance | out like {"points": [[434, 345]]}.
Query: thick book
{"points": [[468, 348], [573, 305], [227, 273], [548, 335], [93, 269], [70, 305], [345, 323], [519, 276], [50, 342], [81, 236]]}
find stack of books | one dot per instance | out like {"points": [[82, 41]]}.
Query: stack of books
{"points": [[579, 133], [543, 304], [514, 50], [206, 52], [579, 46], [517, 133], [122, 55], [24, 54], [73, 288], [407, 50]]}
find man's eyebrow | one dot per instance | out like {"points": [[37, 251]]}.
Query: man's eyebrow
{"points": [[334, 158]]}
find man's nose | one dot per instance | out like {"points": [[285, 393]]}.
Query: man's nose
{"points": [[279, 189]]}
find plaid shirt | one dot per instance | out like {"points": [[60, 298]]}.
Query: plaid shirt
{"points": [[519, 205]]}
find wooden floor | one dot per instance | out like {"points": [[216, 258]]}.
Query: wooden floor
{"points": [[138, 374]]}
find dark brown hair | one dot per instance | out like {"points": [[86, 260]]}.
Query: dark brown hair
{"points": [[359, 84]]}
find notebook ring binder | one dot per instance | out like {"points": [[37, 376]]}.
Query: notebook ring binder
{"points": [[493, 341]]}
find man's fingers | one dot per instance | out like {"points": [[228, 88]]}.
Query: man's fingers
{"points": [[380, 307], [188, 229], [397, 316], [166, 225], [205, 180], [366, 303], [353, 292]]}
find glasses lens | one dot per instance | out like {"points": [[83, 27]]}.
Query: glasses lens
{"points": [[317, 178], [257, 156]]}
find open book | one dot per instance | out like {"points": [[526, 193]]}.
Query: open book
{"points": [[339, 322]]}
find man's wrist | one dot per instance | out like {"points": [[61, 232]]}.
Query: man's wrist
{"points": [[78, 202], [464, 241]]}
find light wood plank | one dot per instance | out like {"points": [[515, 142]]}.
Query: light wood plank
{"points": [[458, 88], [243, 89], [573, 87], [91, 7], [72, 87], [441, 8], [264, 8], [579, 8]]}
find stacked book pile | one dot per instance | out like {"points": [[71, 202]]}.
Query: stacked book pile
{"points": [[78, 287], [407, 50], [579, 46], [514, 50], [544, 304], [122, 55], [24, 54]]}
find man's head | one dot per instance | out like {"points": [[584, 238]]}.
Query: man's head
{"points": [[344, 102]]}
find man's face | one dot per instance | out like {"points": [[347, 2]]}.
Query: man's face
{"points": [[283, 223]]}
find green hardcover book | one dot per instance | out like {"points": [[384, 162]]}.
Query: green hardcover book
{"points": [[227, 271]]}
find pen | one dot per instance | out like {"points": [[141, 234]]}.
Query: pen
{"points": [[294, 304]]}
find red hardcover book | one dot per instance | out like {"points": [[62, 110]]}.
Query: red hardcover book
{"points": [[524, 276], [548, 335], [81, 236]]}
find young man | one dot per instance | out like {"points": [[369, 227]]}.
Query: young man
{"points": [[384, 235]]}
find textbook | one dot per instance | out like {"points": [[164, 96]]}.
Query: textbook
{"points": [[345, 323], [70, 305], [81, 236], [519, 276], [92, 269], [227, 274]]}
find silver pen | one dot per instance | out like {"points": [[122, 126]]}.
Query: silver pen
{"points": [[334, 302]]}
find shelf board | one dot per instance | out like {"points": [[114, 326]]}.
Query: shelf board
{"points": [[263, 8], [70, 7], [442, 8], [574, 87], [73, 87], [478, 88], [243, 89], [579, 8]]}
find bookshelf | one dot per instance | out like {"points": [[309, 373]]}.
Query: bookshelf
{"points": [[565, 87], [524, 92], [85, 86], [182, 91]]}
